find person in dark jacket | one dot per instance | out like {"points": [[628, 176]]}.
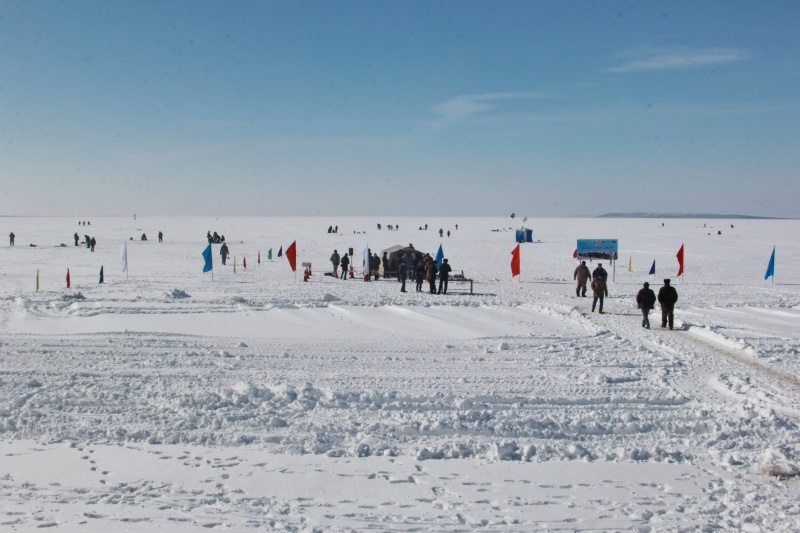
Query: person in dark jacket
{"points": [[583, 275], [430, 270], [385, 263], [667, 297], [223, 252], [160, 237], [335, 260], [402, 272], [11, 238], [599, 291], [420, 274], [77, 238], [93, 243], [345, 264], [601, 272], [444, 276], [375, 266], [646, 300]]}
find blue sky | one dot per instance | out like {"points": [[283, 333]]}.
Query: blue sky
{"points": [[453, 108]]}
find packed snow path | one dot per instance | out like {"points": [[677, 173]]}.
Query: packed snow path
{"points": [[260, 401]]}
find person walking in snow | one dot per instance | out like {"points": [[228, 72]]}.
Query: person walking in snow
{"points": [[11, 237], [93, 243], [335, 260], [601, 272], [598, 290], [223, 251], [345, 265], [583, 275], [667, 297], [160, 237], [646, 300], [77, 238]]}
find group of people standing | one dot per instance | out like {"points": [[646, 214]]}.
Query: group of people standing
{"points": [[645, 299], [421, 269], [91, 242], [344, 262]]}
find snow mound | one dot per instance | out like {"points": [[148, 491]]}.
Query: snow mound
{"points": [[775, 463], [72, 297], [177, 293]]}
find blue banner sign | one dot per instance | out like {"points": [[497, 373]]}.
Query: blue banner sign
{"points": [[598, 249]]}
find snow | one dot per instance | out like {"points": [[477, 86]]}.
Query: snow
{"points": [[163, 399]]}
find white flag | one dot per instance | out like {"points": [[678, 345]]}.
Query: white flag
{"points": [[123, 254], [366, 260]]}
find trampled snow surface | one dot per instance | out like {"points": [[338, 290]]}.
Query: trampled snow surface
{"points": [[257, 401]]}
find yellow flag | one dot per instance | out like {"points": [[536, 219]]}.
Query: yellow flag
{"points": [[37, 280], [630, 264]]}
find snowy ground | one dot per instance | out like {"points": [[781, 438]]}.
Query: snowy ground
{"points": [[257, 401]]}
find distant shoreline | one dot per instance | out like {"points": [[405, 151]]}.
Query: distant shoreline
{"points": [[686, 215]]}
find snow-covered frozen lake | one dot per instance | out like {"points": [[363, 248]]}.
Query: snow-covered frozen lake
{"points": [[163, 399]]}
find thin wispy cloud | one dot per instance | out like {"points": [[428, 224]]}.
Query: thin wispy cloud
{"points": [[683, 58], [463, 106]]}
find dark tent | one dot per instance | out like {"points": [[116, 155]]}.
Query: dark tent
{"points": [[395, 255]]}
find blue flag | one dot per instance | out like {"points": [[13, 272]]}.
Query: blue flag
{"points": [[280, 251], [207, 256], [439, 257], [771, 266], [653, 268], [101, 273]]}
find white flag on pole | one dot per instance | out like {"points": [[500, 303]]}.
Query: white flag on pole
{"points": [[366, 260], [123, 254]]}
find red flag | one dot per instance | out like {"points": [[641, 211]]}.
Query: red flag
{"points": [[515, 262], [244, 263], [575, 253], [68, 278], [680, 260], [291, 255]]}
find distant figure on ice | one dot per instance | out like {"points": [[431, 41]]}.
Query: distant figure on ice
{"points": [[441, 232], [667, 297], [444, 276], [160, 237], [646, 300], [335, 260], [583, 276], [77, 238], [385, 263], [89, 241], [209, 237], [144, 237], [223, 251], [93, 243], [345, 264], [11, 238]]}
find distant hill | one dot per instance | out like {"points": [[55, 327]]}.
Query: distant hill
{"points": [[681, 215]]}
